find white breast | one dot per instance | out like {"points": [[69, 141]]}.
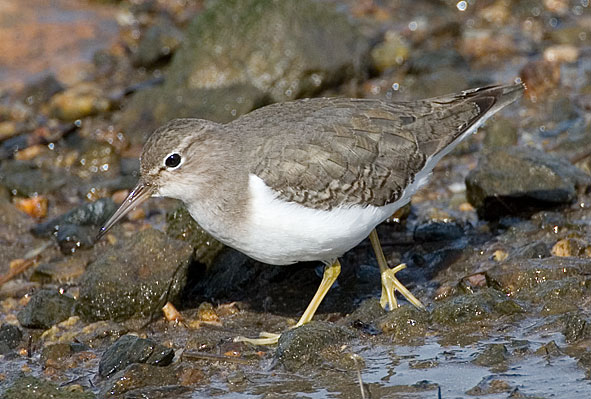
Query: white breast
{"points": [[286, 232]]}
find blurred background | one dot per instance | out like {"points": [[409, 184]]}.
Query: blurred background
{"points": [[498, 244]]}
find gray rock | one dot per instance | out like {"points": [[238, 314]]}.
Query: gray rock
{"points": [[23, 178], [240, 54], [429, 61], [46, 308], [28, 387], [135, 277], [158, 43], [90, 214], [40, 90], [10, 337], [130, 349], [473, 307], [493, 355], [438, 231], [310, 345], [534, 250], [78, 228], [513, 181], [181, 226], [143, 381]]}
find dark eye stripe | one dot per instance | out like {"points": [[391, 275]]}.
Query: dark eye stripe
{"points": [[173, 161]]}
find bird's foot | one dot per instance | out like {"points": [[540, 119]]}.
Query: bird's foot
{"points": [[264, 339], [389, 286]]}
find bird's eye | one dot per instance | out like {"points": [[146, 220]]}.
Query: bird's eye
{"points": [[173, 160]]}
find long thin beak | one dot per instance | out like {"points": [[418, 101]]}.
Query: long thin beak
{"points": [[139, 194]]}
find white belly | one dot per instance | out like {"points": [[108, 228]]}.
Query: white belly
{"points": [[282, 232]]}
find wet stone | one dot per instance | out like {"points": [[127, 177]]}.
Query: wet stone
{"points": [[576, 328], [35, 388], [438, 231], [257, 51], [514, 181], [137, 376], [40, 90], [405, 323], [135, 277], [474, 307], [528, 274], [158, 43], [93, 214], [55, 355], [432, 60], [489, 385], [77, 102], [493, 355], [67, 269], [46, 308], [10, 337], [77, 229], [535, 250], [130, 349], [367, 313], [501, 133], [23, 178], [181, 226], [311, 345], [549, 350]]}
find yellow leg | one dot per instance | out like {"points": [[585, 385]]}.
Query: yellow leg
{"points": [[331, 272], [389, 281]]}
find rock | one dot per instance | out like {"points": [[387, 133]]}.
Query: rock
{"points": [[367, 313], [438, 231], [63, 270], [58, 355], [493, 355], [130, 349], [240, 54], [138, 376], [489, 385], [46, 308], [136, 277], [514, 181], [576, 327], [390, 53], [501, 132], [541, 78], [78, 102], [405, 324], [157, 44], [229, 273], [181, 226], [549, 350], [40, 90], [524, 277], [474, 307], [535, 250], [24, 178], [28, 387], [10, 337], [77, 229], [571, 247], [310, 345], [98, 159], [426, 62]]}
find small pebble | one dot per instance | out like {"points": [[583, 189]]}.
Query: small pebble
{"points": [[171, 313], [34, 206], [561, 53], [500, 255]]}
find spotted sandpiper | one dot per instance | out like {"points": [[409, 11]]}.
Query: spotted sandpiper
{"points": [[308, 180]]}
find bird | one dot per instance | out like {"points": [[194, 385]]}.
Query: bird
{"points": [[308, 180]]}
